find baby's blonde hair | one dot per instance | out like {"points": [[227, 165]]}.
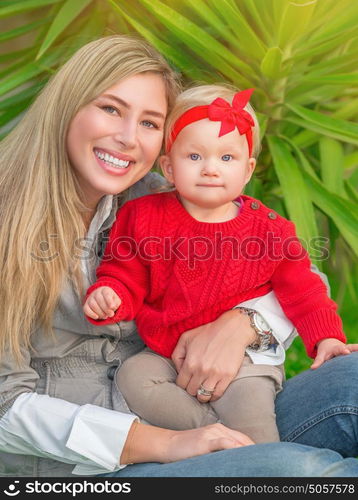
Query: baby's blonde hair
{"points": [[201, 95]]}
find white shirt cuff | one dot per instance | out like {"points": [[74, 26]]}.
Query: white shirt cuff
{"points": [[89, 437], [283, 330], [99, 435]]}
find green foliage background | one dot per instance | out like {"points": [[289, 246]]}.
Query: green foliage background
{"points": [[300, 56]]}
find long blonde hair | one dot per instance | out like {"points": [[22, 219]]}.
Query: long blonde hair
{"points": [[201, 95], [41, 212]]}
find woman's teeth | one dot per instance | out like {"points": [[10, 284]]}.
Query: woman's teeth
{"points": [[111, 160]]}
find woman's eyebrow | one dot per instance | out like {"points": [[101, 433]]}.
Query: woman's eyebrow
{"points": [[126, 105]]}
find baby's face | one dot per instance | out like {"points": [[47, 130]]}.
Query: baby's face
{"points": [[208, 171]]}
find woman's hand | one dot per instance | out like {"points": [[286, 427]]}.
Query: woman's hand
{"points": [[146, 443], [211, 355], [215, 437], [102, 303]]}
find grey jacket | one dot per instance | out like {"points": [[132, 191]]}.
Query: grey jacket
{"points": [[78, 363]]}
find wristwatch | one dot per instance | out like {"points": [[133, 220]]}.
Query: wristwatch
{"points": [[264, 336]]}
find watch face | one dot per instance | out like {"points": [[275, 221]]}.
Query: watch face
{"points": [[261, 324]]}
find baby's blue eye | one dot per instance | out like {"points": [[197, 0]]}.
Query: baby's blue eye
{"points": [[195, 157], [226, 157]]}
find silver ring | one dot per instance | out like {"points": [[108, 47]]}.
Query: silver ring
{"points": [[204, 392]]}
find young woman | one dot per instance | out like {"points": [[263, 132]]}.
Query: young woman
{"points": [[84, 147]]}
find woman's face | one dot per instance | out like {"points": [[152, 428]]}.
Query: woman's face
{"points": [[114, 140]]}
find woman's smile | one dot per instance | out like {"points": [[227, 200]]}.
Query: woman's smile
{"points": [[113, 162]]}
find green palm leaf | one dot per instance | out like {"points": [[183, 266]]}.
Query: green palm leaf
{"points": [[68, 12], [323, 124], [26, 5], [198, 40], [332, 165], [343, 212], [25, 95], [27, 72], [296, 195], [348, 79], [13, 33]]}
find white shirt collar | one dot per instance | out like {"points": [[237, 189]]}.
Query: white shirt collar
{"points": [[103, 210]]}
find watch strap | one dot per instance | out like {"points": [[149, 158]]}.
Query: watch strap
{"points": [[264, 339]]}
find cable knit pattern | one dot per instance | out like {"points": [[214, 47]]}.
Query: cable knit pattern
{"points": [[174, 273]]}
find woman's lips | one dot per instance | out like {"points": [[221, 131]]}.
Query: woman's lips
{"points": [[105, 160], [114, 154]]}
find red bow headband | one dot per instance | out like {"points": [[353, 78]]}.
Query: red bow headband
{"points": [[219, 110]]}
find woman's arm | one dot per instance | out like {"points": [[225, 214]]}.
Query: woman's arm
{"points": [[98, 440], [89, 437]]}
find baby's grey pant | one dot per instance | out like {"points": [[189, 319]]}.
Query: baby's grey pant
{"points": [[147, 381]]}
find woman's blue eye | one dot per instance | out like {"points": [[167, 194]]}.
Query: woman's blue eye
{"points": [[226, 157], [110, 109], [194, 157], [149, 124]]}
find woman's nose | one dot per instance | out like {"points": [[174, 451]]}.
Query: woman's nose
{"points": [[127, 134]]}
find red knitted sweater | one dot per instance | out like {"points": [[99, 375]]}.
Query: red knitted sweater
{"points": [[174, 273]]}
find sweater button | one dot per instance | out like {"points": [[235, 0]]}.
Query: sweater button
{"points": [[271, 215], [255, 205]]}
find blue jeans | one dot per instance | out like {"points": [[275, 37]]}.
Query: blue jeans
{"points": [[316, 408]]}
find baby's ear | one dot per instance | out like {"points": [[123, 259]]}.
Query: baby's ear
{"points": [[165, 165], [251, 168]]}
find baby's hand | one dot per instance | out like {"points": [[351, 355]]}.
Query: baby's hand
{"points": [[327, 349], [102, 303]]}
